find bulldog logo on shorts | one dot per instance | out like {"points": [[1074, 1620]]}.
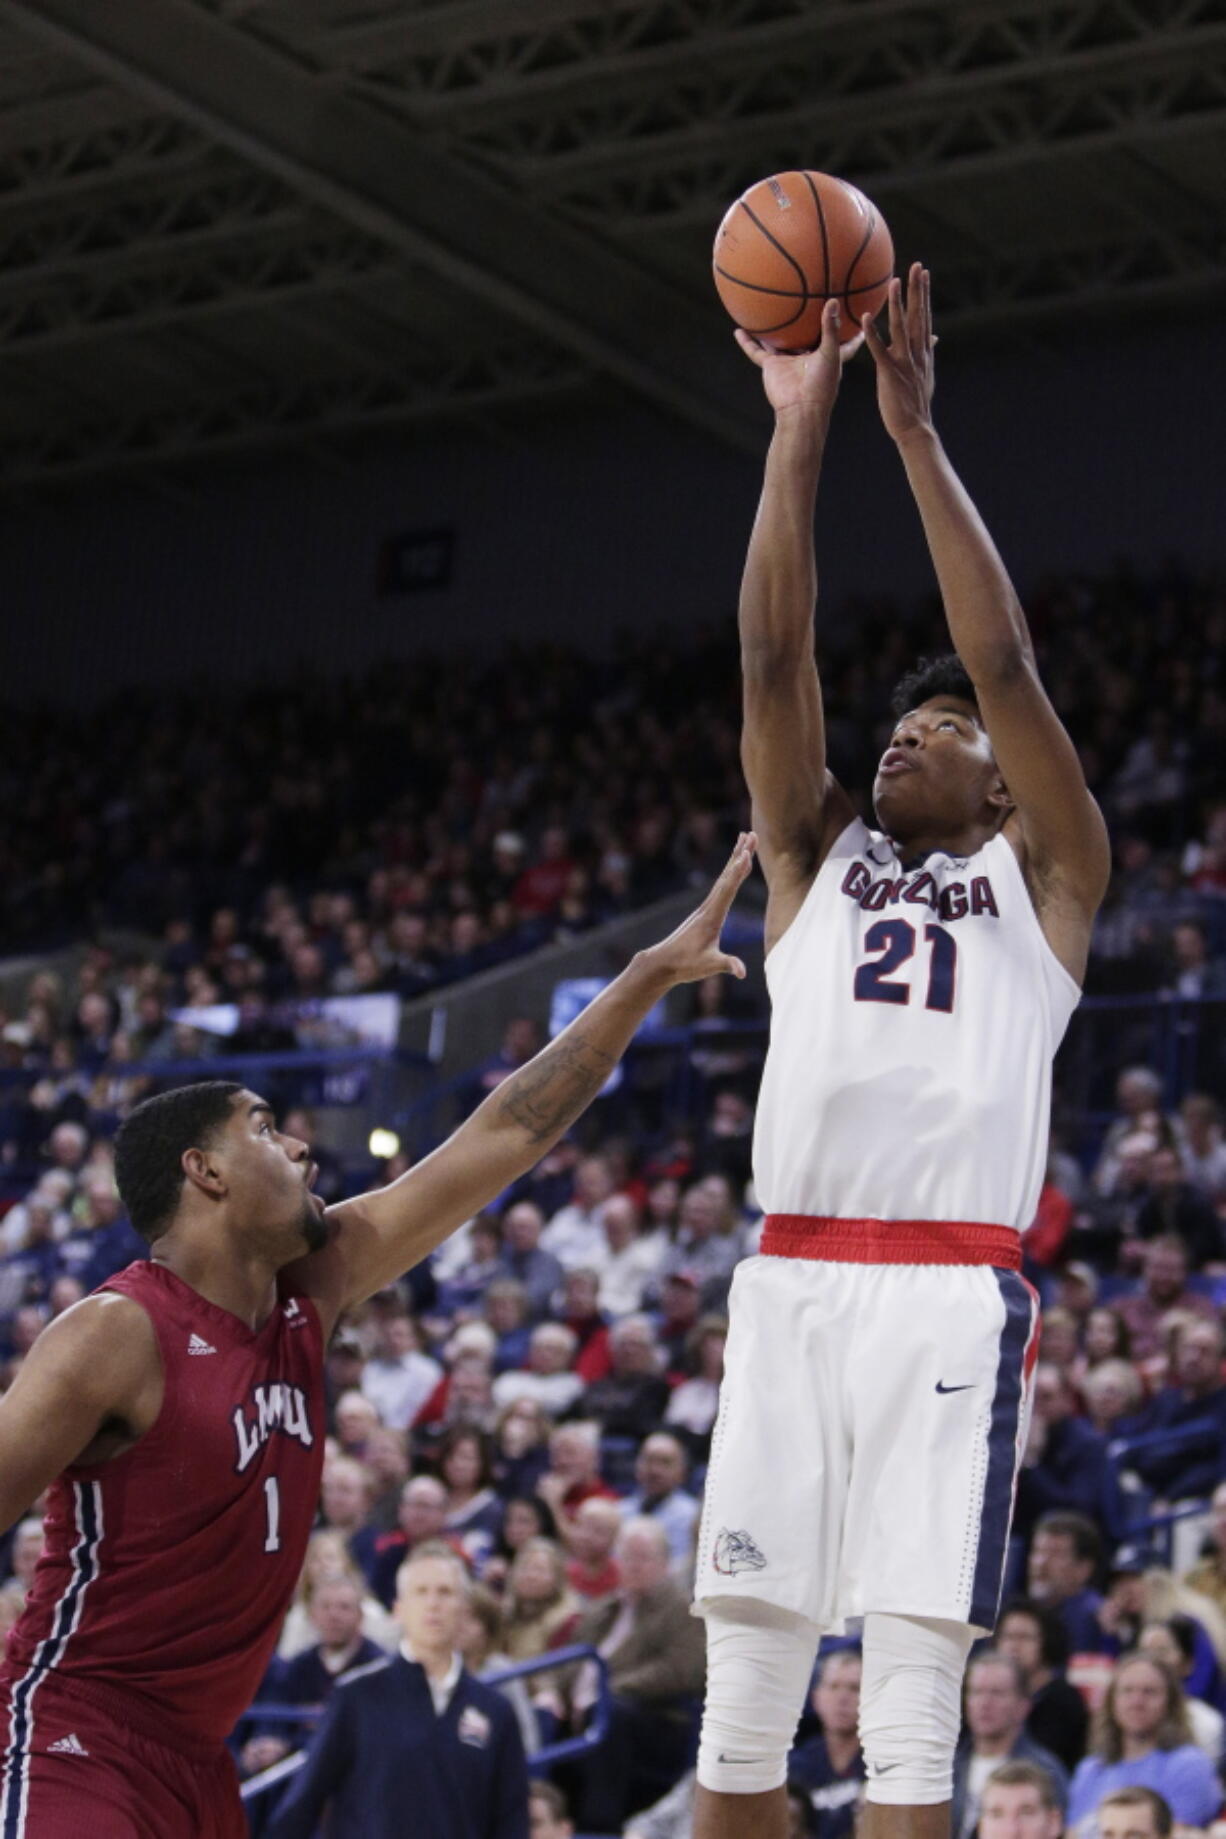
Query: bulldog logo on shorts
{"points": [[736, 1551]]}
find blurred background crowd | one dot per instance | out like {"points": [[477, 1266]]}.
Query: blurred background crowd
{"points": [[540, 1397]]}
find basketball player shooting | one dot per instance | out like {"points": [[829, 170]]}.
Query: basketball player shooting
{"points": [[921, 976], [178, 1417]]}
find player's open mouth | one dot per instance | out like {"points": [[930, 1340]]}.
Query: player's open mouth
{"points": [[898, 760]]}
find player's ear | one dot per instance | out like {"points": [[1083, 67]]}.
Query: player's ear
{"points": [[999, 795], [202, 1170]]}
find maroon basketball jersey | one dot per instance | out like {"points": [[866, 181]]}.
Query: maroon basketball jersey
{"points": [[168, 1571]]}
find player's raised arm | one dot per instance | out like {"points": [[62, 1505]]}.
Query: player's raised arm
{"points": [[91, 1383], [379, 1236], [1063, 840], [797, 806]]}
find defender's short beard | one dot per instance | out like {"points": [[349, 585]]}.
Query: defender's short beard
{"points": [[314, 1227]]}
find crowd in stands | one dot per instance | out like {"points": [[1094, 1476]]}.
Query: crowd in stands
{"points": [[538, 1402]]}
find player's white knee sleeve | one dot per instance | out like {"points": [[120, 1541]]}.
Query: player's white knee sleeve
{"points": [[759, 1663], [910, 1707]]}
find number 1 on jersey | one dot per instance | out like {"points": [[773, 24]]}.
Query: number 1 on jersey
{"points": [[894, 941], [272, 1496]]}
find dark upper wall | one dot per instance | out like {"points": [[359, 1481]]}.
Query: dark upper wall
{"points": [[1076, 453]]}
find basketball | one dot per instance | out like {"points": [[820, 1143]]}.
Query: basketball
{"points": [[788, 244]]}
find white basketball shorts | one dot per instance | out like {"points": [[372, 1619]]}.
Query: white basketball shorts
{"points": [[871, 1424]]}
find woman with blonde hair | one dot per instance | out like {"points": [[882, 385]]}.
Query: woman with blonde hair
{"points": [[1142, 1738], [540, 1610], [327, 1560]]}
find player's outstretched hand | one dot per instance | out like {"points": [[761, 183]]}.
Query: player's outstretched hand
{"points": [[905, 370], [800, 380], [693, 950]]}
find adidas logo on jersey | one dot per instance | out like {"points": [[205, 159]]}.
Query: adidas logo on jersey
{"points": [[197, 1346], [68, 1746]]}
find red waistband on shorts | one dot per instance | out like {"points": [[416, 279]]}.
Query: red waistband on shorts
{"points": [[803, 1235]]}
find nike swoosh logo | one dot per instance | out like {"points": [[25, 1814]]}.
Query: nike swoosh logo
{"points": [[944, 1388], [883, 1768], [748, 1759]]}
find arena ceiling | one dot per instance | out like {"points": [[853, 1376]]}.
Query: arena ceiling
{"points": [[231, 224]]}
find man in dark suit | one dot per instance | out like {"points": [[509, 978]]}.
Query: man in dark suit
{"points": [[415, 1738], [656, 1651]]}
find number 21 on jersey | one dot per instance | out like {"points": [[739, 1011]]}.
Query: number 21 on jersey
{"points": [[893, 942]]}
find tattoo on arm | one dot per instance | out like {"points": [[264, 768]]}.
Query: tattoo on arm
{"points": [[556, 1087]]}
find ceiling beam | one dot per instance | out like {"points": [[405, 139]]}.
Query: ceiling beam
{"points": [[272, 415], [371, 172]]}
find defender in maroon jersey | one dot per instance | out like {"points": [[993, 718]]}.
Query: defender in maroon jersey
{"points": [[178, 1416]]}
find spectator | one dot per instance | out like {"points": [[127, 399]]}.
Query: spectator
{"points": [[1193, 973], [1174, 1643], [830, 1767], [1165, 1288], [1057, 1720], [1204, 1150], [308, 1679], [1112, 1393], [328, 1561], [1020, 1801], [525, 1516], [587, 1321], [474, 1511], [540, 1610], [521, 1446], [345, 1500], [356, 1421], [655, 1654], [24, 1554], [524, 1259], [421, 1519], [480, 1634], [1064, 1466], [1197, 1397], [547, 1812], [462, 1289], [677, 1317], [1065, 1555], [629, 1260], [387, 1461], [1142, 1738], [505, 1308], [592, 1571], [416, 1730], [693, 1407], [1175, 1208], [1209, 1576], [575, 1234], [632, 1400], [1106, 1338], [997, 1703], [573, 1475], [398, 1378], [701, 1249], [1138, 1097], [1133, 1813], [660, 1473], [548, 1377]]}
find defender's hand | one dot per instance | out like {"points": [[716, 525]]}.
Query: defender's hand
{"points": [[905, 370], [803, 381], [693, 952]]}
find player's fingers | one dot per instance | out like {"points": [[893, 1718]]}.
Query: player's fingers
{"points": [[750, 346], [872, 336], [732, 967], [929, 341], [850, 349], [896, 312], [916, 335]]}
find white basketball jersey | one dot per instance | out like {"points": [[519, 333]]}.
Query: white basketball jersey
{"points": [[915, 1015]]}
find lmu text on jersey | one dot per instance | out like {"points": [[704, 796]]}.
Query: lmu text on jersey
{"points": [[276, 1407], [952, 902]]}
